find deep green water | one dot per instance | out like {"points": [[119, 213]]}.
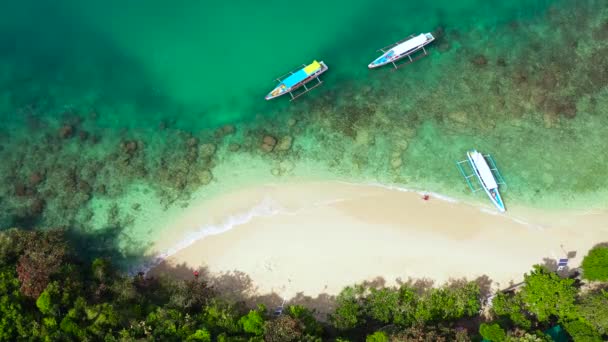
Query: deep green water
{"points": [[204, 63], [523, 80]]}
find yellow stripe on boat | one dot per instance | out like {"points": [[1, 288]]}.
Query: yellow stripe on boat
{"points": [[314, 66]]}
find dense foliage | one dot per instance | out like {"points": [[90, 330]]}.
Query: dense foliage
{"points": [[595, 264], [49, 293]]}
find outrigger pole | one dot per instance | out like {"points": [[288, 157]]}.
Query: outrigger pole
{"points": [[319, 82], [303, 84], [468, 175], [294, 95]]}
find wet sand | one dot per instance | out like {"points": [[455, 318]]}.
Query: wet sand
{"points": [[317, 237]]}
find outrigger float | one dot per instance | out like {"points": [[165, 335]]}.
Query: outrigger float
{"points": [[485, 174], [402, 49], [298, 78]]}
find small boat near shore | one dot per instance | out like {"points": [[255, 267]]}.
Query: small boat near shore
{"points": [[485, 174], [402, 49], [298, 78]]}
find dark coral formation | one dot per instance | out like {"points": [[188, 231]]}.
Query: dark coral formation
{"points": [[517, 80]]}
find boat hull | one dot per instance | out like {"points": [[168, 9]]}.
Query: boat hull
{"points": [[395, 53], [492, 193], [287, 90]]}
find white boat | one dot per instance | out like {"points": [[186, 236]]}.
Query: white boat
{"points": [[401, 49], [485, 174]]}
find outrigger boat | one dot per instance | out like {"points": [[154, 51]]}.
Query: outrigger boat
{"points": [[485, 174], [401, 49], [297, 78]]}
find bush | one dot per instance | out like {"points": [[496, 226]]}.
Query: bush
{"points": [[13, 317], [306, 319], [545, 294], [11, 245], [512, 307], [449, 303], [378, 336], [282, 329], [42, 257], [349, 310], [594, 309], [595, 264], [200, 335], [382, 304], [253, 323], [492, 332], [581, 331], [44, 303], [405, 314]]}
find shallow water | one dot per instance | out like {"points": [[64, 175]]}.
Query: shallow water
{"points": [[142, 86]]}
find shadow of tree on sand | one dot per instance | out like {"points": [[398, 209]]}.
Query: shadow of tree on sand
{"points": [[104, 243], [238, 287]]}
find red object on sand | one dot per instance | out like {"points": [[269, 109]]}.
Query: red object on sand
{"points": [[426, 197]]}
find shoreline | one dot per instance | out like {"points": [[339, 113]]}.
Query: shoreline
{"points": [[269, 235]]}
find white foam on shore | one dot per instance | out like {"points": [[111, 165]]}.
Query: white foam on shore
{"points": [[266, 208], [446, 198], [404, 189]]}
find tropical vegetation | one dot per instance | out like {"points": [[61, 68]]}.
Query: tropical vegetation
{"points": [[49, 291]]}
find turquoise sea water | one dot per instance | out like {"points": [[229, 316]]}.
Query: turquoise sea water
{"points": [[204, 63], [99, 97]]}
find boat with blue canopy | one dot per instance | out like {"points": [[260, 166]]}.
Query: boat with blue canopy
{"points": [[297, 79], [402, 49]]}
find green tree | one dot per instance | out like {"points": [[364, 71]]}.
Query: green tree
{"points": [[253, 322], [167, 324], [221, 317], [11, 245], [382, 304], [349, 311], [492, 332], [463, 300], [405, 312], [306, 320], [545, 294], [101, 318], [14, 319], [420, 332], [511, 306], [73, 323], [595, 264], [429, 306], [101, 269], [593, 308], [378, 336], [200, 335], [448, 303], [527, 337], [48, 301], [581, 331]]}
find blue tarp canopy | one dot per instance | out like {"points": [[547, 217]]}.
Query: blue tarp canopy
{"points": [[294, 79], [557, 334]]}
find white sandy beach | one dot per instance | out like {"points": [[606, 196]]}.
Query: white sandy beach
{"points": [[317, 237]]}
